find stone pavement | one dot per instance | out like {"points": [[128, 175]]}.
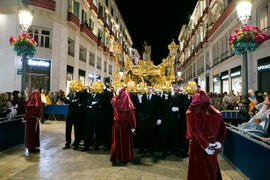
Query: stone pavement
{"points": [[54, 163]]}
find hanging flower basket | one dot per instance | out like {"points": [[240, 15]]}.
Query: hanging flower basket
{"points": [[247, 39], [24, 45]]}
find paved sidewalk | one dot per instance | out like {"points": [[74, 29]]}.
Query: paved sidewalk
{"points": [[54, 163]]}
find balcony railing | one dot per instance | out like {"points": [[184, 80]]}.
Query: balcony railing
{"points": [[101, 17], [48, 4], [100, 43], [73, 18], [88, 32], [94, 8]]}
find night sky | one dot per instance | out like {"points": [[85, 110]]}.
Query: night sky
{"points": [[157, 22]]}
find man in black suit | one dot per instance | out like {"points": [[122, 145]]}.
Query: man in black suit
{"points": [[151, 113]]}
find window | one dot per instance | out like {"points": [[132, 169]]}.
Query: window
{"points": [[76, 9], [100, 9], [91, 24], [91, 59], [106, 41], [99, 34], [82, 54], [105, 66], [42, 37], [107, 2], [263, 19], [71, 47], [112, 11], [117, 20], [110, 69], [98, 62], [84, 21]]}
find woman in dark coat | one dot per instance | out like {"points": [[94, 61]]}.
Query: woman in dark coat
{"points": [[123, 127], [33, 111]]}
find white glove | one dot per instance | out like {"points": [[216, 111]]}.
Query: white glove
{"points": [[218, 145], [94, 102], [140, 98], [132, 130], [209, 151], [158, 122], [175, 109]]}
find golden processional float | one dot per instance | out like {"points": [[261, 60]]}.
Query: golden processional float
{"points": [[136, 76]]}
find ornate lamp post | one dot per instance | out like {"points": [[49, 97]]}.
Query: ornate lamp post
{"points": [[25, 20], [173, 52], [243, 9]]}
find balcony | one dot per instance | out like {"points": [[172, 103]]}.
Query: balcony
{"points": [[100, 43], [73, 18], [94, 8], [107, 26], [106, 49], [101, 17], [48, 4], [88, 32]]}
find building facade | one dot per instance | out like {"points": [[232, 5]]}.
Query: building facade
{"points": [[75, 42], [207, 57]]}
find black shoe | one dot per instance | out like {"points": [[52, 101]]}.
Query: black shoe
{"points": [[85, 149], [123, 163], [33, 150], [184, 155], [96, 148], [75, 147], [114, 163], [66, 147]]}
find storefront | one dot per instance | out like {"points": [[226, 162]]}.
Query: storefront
{"points": [[216, 84], [82, 76], [225, 82], [236, 80], [264, 74], [38, 74]]}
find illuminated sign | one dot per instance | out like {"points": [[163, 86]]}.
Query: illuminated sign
{"points": [[263, 67], [238, 73], [38, 62], [225, 77]]}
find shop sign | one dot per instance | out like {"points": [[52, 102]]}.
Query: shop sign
{"points": [[263, 67], [238, 73], [38, 62], [19, 71], [225, 77]]}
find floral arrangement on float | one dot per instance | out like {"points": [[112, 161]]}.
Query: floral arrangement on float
{"points": [[247, 39], [24, 45], [179, 80]]}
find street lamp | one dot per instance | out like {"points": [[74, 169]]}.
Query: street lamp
{"points": [[179, 74], [25, 20], [243, 9]]}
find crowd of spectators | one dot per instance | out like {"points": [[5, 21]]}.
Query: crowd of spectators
{"points": [[11, 103]]}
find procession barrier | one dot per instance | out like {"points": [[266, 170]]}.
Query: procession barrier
{"points": [[12, 132], [231, 116], [53, 110], [247, 152]]}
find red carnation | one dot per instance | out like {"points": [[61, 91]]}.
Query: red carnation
{"points": [[11, 40], [247, 37], [230, 43]]}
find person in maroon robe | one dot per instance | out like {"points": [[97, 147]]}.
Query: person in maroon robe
{"points": [[33, 111], [206, 131], [124, 125]]}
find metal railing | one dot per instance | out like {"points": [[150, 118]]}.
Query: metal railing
{"points": [[15, 118], [253, 137]]}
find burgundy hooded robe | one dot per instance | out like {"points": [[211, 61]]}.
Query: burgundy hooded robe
{"points": [[204, 126], [124, 120], [33, 111]]}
